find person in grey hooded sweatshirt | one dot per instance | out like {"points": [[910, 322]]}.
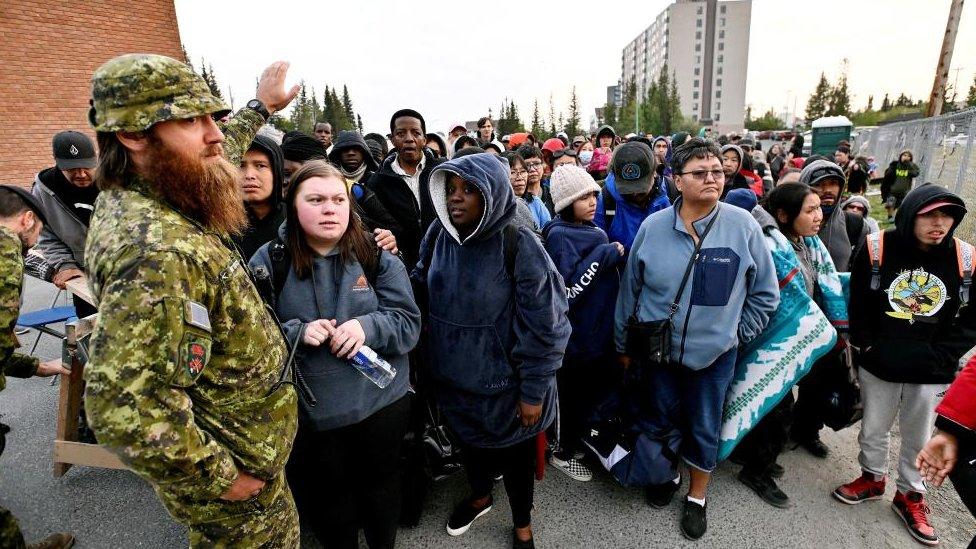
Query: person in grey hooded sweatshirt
{"points": [[341, 292], [498, 331]]}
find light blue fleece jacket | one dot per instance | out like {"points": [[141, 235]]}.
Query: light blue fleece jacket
{"points": [[731, 292]]}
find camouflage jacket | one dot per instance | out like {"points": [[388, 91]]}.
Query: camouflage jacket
{"points": [[11, 280], [185, 361]]}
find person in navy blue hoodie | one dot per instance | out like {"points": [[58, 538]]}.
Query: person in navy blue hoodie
{"points": [[497, 332], [588, 262], [632, 187]]}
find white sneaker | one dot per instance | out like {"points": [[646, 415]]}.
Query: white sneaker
{"points": [[574, 468]]}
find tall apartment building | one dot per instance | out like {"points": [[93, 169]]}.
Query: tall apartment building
{"points": [[705, 44]]}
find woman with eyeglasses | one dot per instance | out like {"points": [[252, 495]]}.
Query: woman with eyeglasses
{"points": [[519, 177], [701, 273]]}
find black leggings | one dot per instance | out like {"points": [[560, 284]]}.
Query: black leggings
{"points": [[765, 442], [582, 384], [349, 478], [516, 463]]}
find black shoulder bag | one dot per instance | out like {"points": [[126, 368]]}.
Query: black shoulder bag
{"points": [[650, 342]]}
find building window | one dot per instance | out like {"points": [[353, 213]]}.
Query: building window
{"points": [[718, 94], [721, 34], [721, 46], [721, 58], [718, 106], [694, 107], [719, 71], [694, 95], [698, 23], [717, 117], [718, 82], [697, 46], [697, 35], [699, 10], [697, 71], [698, 59], [723, 22], [721, 10], [696, 83]]}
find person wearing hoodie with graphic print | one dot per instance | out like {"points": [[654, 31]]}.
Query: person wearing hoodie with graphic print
{"points": [[910, 324], [589, 264], [497, 333], [261, 168]]}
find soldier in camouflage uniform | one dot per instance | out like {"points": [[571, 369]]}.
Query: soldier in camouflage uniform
{"points": [[21, 220], [185, 379]]}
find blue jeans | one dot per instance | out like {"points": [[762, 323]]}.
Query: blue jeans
{"points": [[689, 402]]}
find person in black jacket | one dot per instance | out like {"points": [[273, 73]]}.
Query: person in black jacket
{"points": [[910, 321], [352, 156], [262, 169], [401, 182]]}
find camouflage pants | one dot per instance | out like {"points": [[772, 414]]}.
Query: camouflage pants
{"points": [[268, 520], [10, 536]]}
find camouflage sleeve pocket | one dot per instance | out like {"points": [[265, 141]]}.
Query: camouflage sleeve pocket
{"points": [[194, 342]]}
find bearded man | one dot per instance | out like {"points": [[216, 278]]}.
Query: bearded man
{"points": [[185, 379]]}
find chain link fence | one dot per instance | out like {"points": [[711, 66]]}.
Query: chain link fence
{"points": [[943, 149]]}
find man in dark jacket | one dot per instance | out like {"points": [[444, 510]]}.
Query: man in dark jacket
{"points": [[67, 195], [261, 167], [898, 179], [401, 182], [911, 323]]}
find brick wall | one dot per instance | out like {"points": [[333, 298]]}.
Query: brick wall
{"points": [[48, 51]]}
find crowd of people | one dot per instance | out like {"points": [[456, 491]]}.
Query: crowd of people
{"points": [[281, 323]]}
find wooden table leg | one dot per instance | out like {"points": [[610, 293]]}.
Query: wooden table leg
{"points": [[69, 407]]}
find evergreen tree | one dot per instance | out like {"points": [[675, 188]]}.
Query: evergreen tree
{"points": [[302, 115], [327, 114], [513, 115], [626, 116], [817, 104], [610, 114], [347, 107], [870, 106], [572, 127], [186, 58], [552, 121], [537, 128], [971, 97], [839, 103], [359, 123], [904, 101], [314, 108], [885, 104]]}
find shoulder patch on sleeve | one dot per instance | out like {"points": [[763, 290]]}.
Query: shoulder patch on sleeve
{"points": [[197, 315]]}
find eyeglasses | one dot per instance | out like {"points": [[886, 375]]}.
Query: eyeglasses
{"points": [[699, 175], [518, 174], [534, 165]]}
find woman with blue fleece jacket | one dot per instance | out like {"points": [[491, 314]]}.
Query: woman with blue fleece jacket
{"points": [[498, 330], [731, 292], [589, 264], [340, 293]]}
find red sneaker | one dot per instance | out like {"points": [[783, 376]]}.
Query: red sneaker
{"points": [[863, 488], [914, 512]]}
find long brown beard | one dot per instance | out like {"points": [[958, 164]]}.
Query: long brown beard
{"points": [[206, 190]]}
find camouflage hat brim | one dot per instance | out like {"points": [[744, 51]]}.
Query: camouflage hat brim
{"points": [[133, 92]]}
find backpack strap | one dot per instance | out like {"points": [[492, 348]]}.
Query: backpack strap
{"points": [[357, 191], [964, 260], [609, 210], [875, 244]]}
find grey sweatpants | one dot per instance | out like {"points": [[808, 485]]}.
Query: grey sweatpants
{"points": [[914, 404]]}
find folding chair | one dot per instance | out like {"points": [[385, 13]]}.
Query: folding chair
{"points": [[41, 320]]}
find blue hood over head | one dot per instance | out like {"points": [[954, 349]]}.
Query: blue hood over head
{"points": [[490, 174]]}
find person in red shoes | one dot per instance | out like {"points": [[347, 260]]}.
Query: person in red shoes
{"points": [[952, 450], [910, 322]]}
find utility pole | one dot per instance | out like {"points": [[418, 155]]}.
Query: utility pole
{"points": [[945, 59]]}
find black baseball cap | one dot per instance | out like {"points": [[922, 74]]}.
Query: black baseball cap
{"points": [[28, 198], [73, 150], [633, 168]]}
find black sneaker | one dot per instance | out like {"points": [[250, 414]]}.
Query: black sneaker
{"points": [[815, 446], [775, 470], [693, 520], [659, 496], [465, 514], [519, 544], [765, 487]]}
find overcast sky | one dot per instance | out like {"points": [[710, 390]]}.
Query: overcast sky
{"points": [[454, 61]]}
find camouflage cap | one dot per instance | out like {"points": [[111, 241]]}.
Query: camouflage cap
{"points": [[132, 92]]}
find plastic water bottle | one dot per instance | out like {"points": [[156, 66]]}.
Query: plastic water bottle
{"points": [[373, 366]]}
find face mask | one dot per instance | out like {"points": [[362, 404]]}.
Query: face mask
{"points": [[585, 157]]}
